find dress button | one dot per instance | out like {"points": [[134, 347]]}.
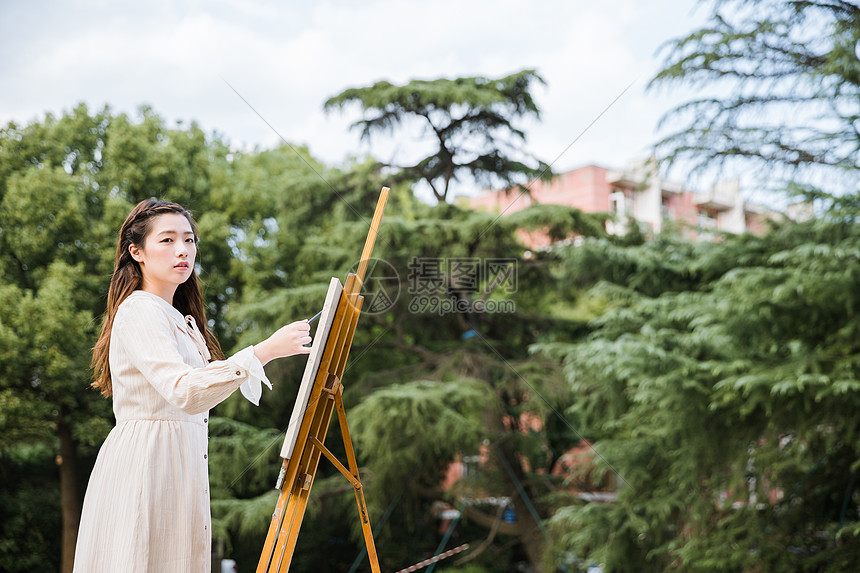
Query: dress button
{"points": [[205, 456], [238, 372], [205, 420]]}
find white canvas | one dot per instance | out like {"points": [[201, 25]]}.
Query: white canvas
{"points": [[312, 367]]}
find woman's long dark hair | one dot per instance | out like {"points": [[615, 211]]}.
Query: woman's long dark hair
{"points": [[128, 278]]}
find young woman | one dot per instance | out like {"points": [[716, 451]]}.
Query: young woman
{"points": [[146, 507]]}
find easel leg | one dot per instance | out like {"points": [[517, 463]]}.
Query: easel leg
{"points": [[359, 490], [274, 528]]}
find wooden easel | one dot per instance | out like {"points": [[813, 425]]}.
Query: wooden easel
{"points": [[319, 395]]}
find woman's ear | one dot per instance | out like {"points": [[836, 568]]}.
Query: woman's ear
{"points": [[135, 253]]}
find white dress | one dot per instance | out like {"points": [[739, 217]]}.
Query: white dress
{"points": [[146, 507]]}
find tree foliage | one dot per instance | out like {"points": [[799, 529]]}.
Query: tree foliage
{"points": [[723, 407], [717, 381], [471, 121], [784, 81]]}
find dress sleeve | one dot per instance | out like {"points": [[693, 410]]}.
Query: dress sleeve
{"points": [[148, 338], [252, 388]]}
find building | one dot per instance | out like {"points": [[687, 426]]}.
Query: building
{"points": [[637, 195]]}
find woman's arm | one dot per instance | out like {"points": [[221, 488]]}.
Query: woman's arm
{"points": [[148, 339]]}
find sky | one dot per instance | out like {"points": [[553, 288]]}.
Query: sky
{"points": [[287, 58]]}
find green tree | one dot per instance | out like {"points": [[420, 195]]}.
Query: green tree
{"points": [[784, 82], [717, 381], [53, 221], [470, 120], [723, 408], [66, 184]]}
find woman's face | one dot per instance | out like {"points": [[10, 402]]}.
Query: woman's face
{"points": [[167, 257]]}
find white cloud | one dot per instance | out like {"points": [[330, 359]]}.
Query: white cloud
{"points": [[286, 60]]}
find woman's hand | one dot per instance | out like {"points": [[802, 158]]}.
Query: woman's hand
{"points": [[287, 341]]}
